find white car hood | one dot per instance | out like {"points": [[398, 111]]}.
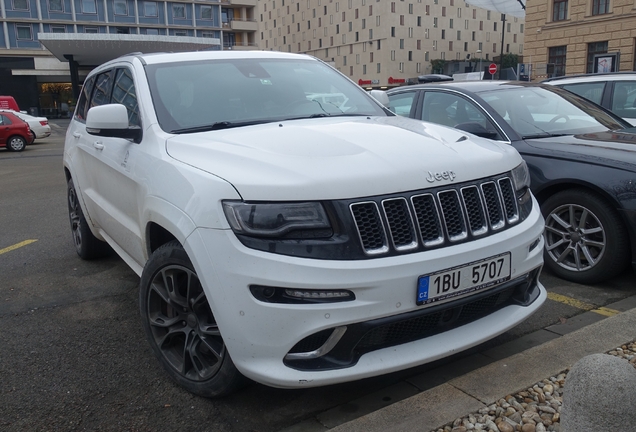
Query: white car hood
{"points": [[343, 157]]}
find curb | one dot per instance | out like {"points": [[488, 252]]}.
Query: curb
{"points": [[439, 396], [440, 405]]}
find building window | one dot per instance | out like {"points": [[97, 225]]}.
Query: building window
{"points": [[401, 67], [121, 7], [559, 10], [91, 30], [150, 9], [600, 7], [556, 56], [178, 10], [56, 6], [378, 68], [152, 31], [206, 12], [58, 29], [23, 32], [89, 7], [122, 30], [594, 48], [20, 5], [180, 33]]}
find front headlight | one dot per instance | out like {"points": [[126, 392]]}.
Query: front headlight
{"points": [[521, 176], [274, 219]]}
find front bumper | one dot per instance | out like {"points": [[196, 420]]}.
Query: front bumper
{"points": [[259, 335]]}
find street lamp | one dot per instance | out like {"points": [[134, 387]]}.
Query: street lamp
{"points": [[479, 52]]}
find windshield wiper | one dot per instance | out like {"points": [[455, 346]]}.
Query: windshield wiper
{"points": [[544, 135], [218, 126]]}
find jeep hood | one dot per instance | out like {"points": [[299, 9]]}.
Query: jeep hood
{"points": [[343, 157]]}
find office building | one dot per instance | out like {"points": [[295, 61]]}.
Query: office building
{"points": [[48, 46], [388, 43]]}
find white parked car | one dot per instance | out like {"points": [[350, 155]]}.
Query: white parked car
{"points": [[39, 126], [280, 239]]}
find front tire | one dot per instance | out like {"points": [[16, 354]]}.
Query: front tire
{"points": [[585, 239], [16, 143], [180, 326], [87, 246]]}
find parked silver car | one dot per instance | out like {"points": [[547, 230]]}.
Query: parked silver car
{"points": [[615, 91]]}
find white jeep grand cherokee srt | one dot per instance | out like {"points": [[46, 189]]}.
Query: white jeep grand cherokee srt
{"points": [[287, 239]]}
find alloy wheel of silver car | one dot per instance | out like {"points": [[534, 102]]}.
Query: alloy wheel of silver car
{"points": [[575, 238], [585, 238]]}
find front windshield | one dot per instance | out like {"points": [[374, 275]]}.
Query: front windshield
{"points": [[537, 112], [191, 96]]}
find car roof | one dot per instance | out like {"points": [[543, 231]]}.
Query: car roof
{"points": [[609, 76], [471, 86], [157, 58]]}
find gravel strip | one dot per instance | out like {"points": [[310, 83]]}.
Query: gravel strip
{"points": [[536, 409]]}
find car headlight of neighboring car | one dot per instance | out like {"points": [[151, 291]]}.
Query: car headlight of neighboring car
{"points": [[275, 219], [521, 177], [521, 182]]}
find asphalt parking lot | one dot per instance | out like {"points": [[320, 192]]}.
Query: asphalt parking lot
{"points": [[73, 354]]}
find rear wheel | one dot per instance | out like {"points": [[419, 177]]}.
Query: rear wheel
{"points": [[86, 244], [180, 325], [16, 143], [585, 239]]}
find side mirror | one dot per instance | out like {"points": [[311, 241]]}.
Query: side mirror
{"points": [[476, 129], [380, 96], [111, 120]]}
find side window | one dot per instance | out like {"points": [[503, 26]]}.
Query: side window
{"points": [[124, 93], [402, 103], [624, 99], [451, 109], [82, 105], [591, 91], [103, 86], [4, 120]]}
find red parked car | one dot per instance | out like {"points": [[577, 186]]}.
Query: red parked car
{"points": [[14, 132]]}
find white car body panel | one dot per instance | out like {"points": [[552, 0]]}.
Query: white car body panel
{"points": [[179, 181], [288, 160]]}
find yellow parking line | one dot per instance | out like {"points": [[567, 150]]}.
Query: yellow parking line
{"points": [[16, 246], [582, 305]]}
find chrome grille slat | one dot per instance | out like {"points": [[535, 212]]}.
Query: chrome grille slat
{"points": [[450, 214]]}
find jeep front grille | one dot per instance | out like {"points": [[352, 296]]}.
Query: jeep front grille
{"points": [[435, 218]]}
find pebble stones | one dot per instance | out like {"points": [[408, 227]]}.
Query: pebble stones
{"points": [[535, 409]]}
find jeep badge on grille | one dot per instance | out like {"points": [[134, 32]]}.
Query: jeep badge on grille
{"points": [[439, 176]]}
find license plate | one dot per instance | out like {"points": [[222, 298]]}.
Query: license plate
{"points": [[463, 279]]}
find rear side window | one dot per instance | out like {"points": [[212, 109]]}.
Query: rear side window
{"points": [[624, 99], [124, 93], [82, 105], [590, 91], [103, 87], [4, 120]]}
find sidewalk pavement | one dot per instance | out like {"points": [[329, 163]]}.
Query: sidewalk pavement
{"points": [[487, 381]]}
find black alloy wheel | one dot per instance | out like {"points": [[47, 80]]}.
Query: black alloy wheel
{"points": [[181, 327], [87, 246]]}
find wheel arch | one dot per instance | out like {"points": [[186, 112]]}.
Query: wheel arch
{"points": [[164, 223]]}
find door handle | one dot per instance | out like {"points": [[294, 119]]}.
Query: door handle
{"points": [[77, 134], [98, 145]]}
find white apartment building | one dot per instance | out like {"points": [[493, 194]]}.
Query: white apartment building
{"points": [[380, 43]]}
